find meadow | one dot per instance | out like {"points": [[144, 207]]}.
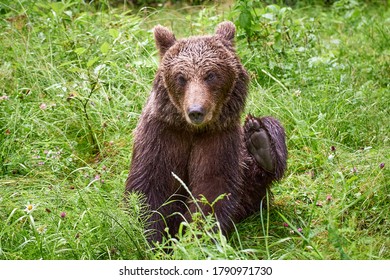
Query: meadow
{"points": [[73, 81]]}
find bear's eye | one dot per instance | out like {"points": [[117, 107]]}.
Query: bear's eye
{"points": [[181, 80], [210, 76]]}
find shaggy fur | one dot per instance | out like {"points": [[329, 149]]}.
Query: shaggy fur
{"points": [[191, 126]]}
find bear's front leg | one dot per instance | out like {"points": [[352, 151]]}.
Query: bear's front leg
{"points": [[215, 169], [266, 159], [157, 153], [266, 143]]}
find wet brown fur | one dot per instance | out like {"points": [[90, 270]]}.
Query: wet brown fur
{"points": [[210, 157]]}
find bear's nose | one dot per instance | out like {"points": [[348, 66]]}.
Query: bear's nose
{"points": [[196, 114]]}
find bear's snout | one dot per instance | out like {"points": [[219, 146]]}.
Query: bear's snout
{"points": [[196, 113], [198, 104]]}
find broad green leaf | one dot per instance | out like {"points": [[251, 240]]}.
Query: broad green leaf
{"points": [[80, 51], [92, 61], [245, 19], [105, 48], [114, 33]]}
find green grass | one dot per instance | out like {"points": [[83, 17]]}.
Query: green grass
{"points": [[74, 78]]}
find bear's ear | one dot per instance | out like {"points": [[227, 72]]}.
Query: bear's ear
{"points": [[226, 30], [164, 39]]}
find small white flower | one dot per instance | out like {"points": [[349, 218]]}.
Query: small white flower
{"points": [[41, 229], [29, 208]]}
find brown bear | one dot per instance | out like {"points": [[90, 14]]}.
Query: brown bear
{"points": [[190, 127]]}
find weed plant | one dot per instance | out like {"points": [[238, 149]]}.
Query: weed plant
{"points": [[74, 78]]}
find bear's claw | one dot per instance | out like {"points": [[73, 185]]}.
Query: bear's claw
{"points": [[258, 143]]}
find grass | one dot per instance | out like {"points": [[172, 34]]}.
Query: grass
{"points": [[74, 78]]}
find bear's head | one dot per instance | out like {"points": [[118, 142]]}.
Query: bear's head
{"points": [[200, 74]]}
